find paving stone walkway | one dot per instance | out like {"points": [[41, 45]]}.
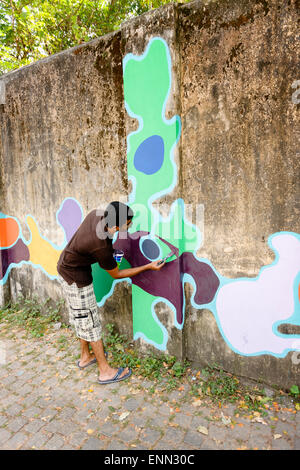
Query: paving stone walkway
{"points": [[46, 402]]}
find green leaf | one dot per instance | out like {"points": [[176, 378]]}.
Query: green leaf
{"points": [[294, 390]]}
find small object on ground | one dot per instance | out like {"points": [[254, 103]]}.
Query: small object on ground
{"points": [[124, 415], [203, 430]]}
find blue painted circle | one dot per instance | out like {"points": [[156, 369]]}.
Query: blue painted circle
{"points": [[150, 249], [149, 156]]}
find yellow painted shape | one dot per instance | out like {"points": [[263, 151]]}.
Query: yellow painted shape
{"points": [[41, 251]]}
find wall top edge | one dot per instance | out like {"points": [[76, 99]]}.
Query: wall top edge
{"points": [[149, 14], [66, 52], [190, 7], [137, 19]]}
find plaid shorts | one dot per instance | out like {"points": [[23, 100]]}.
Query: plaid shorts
{"points": [[83, 310]]}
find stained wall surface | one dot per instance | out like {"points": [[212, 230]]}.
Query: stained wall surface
{"points": [[189, 112]]}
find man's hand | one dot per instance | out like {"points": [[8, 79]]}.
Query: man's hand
{"points": [[156, 265], [130, 272]]}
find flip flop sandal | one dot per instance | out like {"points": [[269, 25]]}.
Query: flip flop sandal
{"points": [[90, 363], [116, 378]]}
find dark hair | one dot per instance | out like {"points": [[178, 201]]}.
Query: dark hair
{"points": [[117, 214]]}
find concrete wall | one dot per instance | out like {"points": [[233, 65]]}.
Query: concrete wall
{"points": [[65, 130], [240, 155]]}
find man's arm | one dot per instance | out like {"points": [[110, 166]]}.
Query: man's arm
{"points": [[130, 272]]}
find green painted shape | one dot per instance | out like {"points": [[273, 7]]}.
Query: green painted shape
{"points": [[143, 321], [147, 84], [146, 87], [159, 182], [147, 81], [102, 281], [165, 249]]}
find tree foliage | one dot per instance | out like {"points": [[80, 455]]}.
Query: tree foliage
{"points": [[33, 29]]}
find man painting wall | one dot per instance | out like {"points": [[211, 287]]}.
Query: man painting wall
{"points": [[92, 243]]}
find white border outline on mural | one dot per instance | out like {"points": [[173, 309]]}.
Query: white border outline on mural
{"points": [[213, 306]]}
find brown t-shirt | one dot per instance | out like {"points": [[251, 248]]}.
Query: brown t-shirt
{"points": [[90, 244]]}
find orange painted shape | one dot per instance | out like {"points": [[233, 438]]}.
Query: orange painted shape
{"points": [[9, 232]]}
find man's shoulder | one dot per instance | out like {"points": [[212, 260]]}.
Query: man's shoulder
{"points": [[90, 229], [93, 217], [96, 222]]}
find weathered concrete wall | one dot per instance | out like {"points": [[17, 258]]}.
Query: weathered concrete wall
{"points": [[63, 134], [240, 151], [239, 140]]}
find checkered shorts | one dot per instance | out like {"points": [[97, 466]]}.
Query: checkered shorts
{"points": [[83, 310]]}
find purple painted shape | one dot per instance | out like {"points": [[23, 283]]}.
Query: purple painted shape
{"points": [[207, 282], [70, 217], [17, 253], [167, 283]]}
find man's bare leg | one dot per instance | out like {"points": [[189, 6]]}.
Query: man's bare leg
{"points": [[105, 371], [86, 355]]}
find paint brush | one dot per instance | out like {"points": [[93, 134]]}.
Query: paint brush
{"points": [[169, 255]]}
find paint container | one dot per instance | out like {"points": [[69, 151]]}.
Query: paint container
{"points": [[118, 255]]}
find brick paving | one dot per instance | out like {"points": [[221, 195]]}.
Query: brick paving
{"points": [[46, 402]]}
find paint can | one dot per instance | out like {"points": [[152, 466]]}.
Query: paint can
{"points": [[118, 255]]}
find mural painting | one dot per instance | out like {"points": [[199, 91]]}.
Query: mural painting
{"points": [[248, 311]]}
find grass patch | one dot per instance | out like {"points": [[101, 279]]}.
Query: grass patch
{"points": [[33, 316], [218, 384], [221, 386], [168, 374], [62, 343], [152, 367]]}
